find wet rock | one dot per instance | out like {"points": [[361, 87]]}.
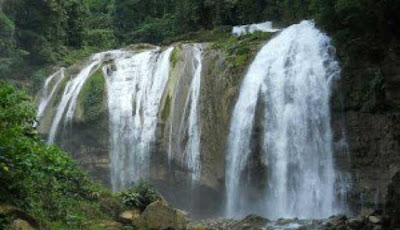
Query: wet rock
{"points": [[128, 217], [375, 219], [284, 221], [355, 223], [159, 215], [251, 222], [21, 225]]}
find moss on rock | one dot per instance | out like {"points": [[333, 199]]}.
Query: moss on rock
{"points": [[91, 98], [176, 56]]}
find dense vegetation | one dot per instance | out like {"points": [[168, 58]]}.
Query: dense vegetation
{"points": [[37, 33], [40, 179], [45, 182]]}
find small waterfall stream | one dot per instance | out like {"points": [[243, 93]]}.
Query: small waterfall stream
{"points": [[184, 125], [290, 82], [58, 77], [70, 96], [192, 107]]}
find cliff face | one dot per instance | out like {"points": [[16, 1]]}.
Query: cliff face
{"points": [[373, 129]]}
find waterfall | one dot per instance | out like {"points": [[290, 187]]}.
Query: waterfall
{"points": [[290, 82], [46, 96], [134, 91], [70, 96], [184, 127], [192, 104], [259, 27]]}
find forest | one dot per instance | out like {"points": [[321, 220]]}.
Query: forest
{"points": [[44, 32]]}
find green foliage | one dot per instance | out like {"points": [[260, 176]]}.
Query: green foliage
{"points": [[10, 54], [240, 49], [41, 179], [139, 196], [92, 96], [363, 28], [167, 109], [73, 56], [155, 30], [103, 38]]}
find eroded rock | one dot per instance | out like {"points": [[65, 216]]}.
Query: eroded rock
{"points": [[159, 215]]}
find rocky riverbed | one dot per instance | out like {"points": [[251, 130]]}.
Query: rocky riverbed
{"points": [[371, 221]]}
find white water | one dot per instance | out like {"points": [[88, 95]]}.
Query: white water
{"points": [[46, 96], [134, 92], [259, 27], [291, 76], [70, 96], [192, 104]]}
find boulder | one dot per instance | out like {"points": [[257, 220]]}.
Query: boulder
{"points": [[355, 223], [251, 222], [337, 222], [21, 225], [16, 213], [128, 217], [375, 219], [284, 221], [159, 215]]}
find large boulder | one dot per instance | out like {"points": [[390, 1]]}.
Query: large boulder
{"points": [[159, 215], [21, 225], [129, 217]]}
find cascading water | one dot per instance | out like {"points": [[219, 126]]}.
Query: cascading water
{"points": [[291, 77], [184, 134], [46, 97], [192, 104], [70, 96], [134, 91], [259, 27]]}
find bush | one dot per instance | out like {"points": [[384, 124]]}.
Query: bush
{"points": [[139, 196], [40, 179]]}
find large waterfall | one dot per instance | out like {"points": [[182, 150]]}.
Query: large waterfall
{"points": [[290, 83], [164, 115]]}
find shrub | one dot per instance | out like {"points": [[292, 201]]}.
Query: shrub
{"points": [[140, 196]]}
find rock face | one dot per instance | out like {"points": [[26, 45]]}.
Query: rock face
{"points": [[393, 201], [373, 130], [159, 215]]}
